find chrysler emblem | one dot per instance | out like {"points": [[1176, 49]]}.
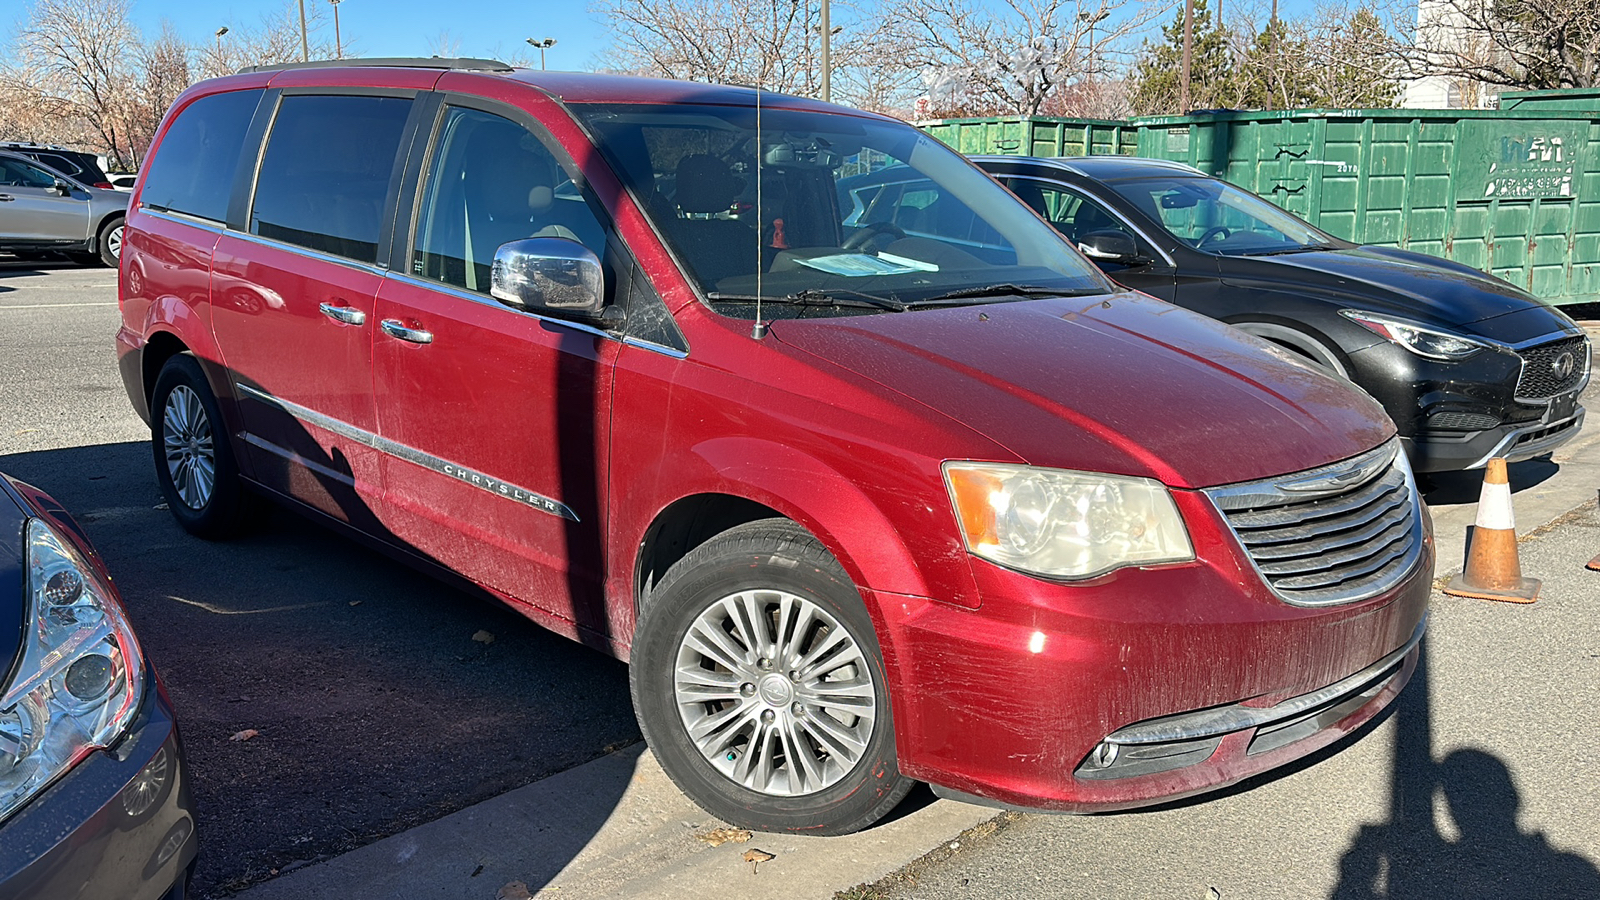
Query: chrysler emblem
{"points": [[1563, 365]]}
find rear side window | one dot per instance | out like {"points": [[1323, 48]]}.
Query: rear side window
{"points": [[194, 165], [325, 174], [60, 164]]}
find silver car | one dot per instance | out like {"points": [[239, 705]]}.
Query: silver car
{"points": [[43, 210]]}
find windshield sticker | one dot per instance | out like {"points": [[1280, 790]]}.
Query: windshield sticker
{"points": [[856, 265]]}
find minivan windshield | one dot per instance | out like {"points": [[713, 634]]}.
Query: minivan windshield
{"points": [[829, 213], [1216, 217]]}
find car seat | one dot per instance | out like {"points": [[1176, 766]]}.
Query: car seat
{"points": [[715, 248]]}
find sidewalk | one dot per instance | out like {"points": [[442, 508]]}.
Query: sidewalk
{"points": [[552, 839]]}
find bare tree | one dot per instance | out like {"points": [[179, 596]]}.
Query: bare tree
{"points": [[1529, 44], [1012, 57], [771, 43], [77, 57], [162, 73], [274, 39]]}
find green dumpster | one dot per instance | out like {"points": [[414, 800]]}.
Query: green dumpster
{"points": [[1515, 192]]}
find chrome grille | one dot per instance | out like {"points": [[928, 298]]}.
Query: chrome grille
{"points": [[1540, 380], [1335, 534]]}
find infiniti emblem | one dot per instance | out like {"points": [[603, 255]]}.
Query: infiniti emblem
{"points": [[1563, 365]]}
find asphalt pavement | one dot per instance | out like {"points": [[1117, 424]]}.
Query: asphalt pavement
{"points": [[396, 756]]}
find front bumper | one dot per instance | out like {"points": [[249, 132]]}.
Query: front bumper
{"points": [[119, 824], [1008, 704]]}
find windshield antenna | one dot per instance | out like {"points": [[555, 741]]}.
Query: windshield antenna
{"points": [[759, 329]]}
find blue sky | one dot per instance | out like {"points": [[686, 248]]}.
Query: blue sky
{"points": [[407, 27], [487, 28]]}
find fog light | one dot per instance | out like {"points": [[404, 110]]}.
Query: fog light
{"points": [[1102, 756]]}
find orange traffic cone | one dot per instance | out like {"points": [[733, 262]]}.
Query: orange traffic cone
{"points": [[1492, 571]]}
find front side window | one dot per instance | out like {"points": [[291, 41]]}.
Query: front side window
{"points": [[16, 173], [491, 181], [1073, 214], [324, 177], [1214, 216], [804, 208], [194, 165]]}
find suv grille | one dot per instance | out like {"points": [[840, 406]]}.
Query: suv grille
{"points": [[1542, 378], [1335, 534]]}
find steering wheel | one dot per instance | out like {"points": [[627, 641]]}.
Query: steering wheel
{"points": [[1211, 232], [872, 231]]}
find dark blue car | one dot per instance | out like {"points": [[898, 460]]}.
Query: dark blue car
{"points": [[94, 794]]}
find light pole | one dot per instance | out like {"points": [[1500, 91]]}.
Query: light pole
{"points": [[220, 32], [542, 45], [1093, 19], [827, 40], [1188, 43], [338, 44], [305, 43]]}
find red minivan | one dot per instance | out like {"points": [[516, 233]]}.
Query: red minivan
{"points": [[921, 497]]}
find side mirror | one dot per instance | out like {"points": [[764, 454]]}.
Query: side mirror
{"points": [[1110, 245], [63, 188], [549, 274]]}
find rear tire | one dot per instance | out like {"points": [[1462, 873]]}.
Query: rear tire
{"points": [[194, 461], [758, 682], [109, 242]]}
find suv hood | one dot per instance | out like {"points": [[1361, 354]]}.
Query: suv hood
{"points": [[1123, 384], [1382, 279]]}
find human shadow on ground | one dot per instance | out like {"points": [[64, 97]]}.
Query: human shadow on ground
{"points": [[1484, 854]]}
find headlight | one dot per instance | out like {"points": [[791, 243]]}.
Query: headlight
{"points": [[81, 677], [1063, 524], [1422, 341]]}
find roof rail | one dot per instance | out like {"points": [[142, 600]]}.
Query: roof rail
{"points": [[404, 62]]}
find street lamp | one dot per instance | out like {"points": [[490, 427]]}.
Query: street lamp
{"points": [[338, 43], [220, 32], [305, 42], [542, 45], [1093, 19]]}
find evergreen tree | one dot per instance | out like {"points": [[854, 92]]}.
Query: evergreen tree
{"points": [[1157, 76]]}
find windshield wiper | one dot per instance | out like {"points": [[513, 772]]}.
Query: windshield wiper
{"points": [[1299, 248], [815, 297], [999, 292]]}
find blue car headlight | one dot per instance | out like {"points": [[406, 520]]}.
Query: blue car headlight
{"points": [[81, 677]]}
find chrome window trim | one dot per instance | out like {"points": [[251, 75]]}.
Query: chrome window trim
{"points": [[1311, 484], [489, 483], [1107, 207], [308, 253], [211, 225], [486, 300]]}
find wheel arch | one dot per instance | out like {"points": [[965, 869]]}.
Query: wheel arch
{"points": [[1299, 337]]}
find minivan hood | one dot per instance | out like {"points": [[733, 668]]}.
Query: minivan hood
{"points": [[1123, 384], [1383, 279]]}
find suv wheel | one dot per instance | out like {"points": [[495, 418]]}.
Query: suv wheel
{"points": [[110, 242], [194, 461], [759, 684]]}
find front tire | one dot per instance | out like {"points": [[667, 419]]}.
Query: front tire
{"points": [[194, 462], [758, 682]]}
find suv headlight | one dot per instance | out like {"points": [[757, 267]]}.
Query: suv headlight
{"points": [[81, 678], [1062, 524], [1429, 342]]}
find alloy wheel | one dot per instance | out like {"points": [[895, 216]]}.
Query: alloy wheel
{"points": [[775, 692], [187, 441]]}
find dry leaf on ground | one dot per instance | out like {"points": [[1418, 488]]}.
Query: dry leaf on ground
{"points": [[716, 837], [483, 637], [755, 858], [513, 890], [244, 735]]}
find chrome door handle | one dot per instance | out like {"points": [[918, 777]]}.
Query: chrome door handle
{"points": [[6, 198], [349, 315], [397, 329]]}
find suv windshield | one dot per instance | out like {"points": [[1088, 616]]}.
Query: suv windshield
{"points": [[1216, 217], [828, 211]]}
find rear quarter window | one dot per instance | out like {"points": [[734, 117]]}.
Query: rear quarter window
{"points": [[194, 164]]}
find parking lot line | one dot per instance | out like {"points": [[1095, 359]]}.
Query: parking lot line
{"points": [[54, 305]]}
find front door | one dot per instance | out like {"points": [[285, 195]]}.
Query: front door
{"points": [[34, 210], [1076, 214], [494, 421]]}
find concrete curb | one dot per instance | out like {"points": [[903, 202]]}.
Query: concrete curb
{"points": [[554, 838]]}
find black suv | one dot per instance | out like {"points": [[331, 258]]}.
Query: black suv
{"points": [[84, 167], [1468, 366]]}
